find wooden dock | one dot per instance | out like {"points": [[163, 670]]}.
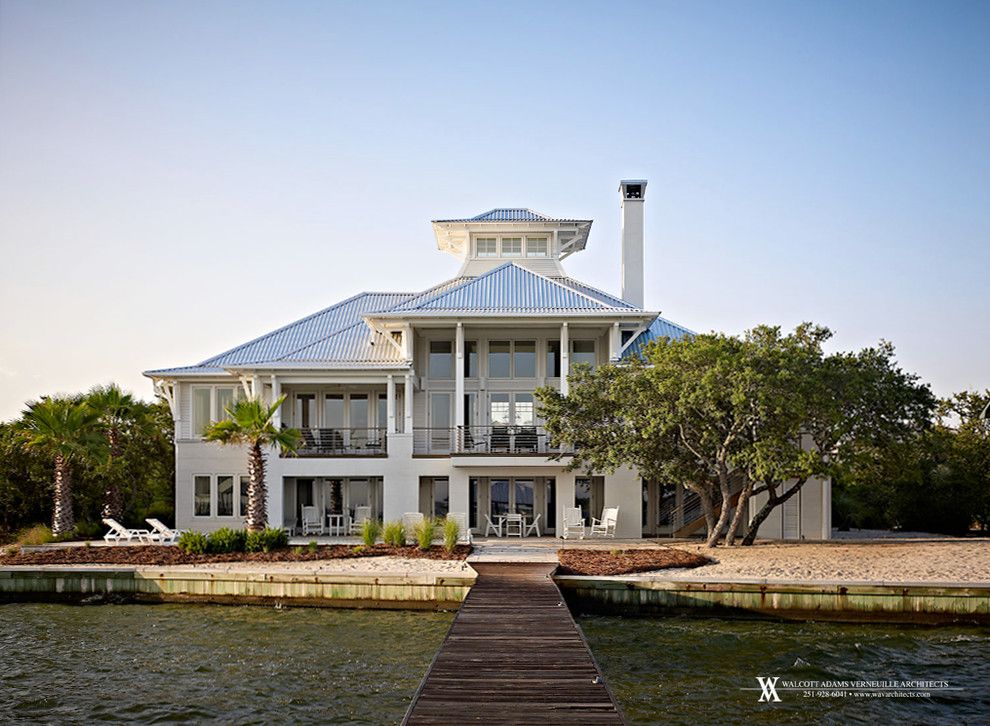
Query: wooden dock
{"points": [[513, 655]]}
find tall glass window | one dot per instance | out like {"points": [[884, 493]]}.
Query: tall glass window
{"points": [[512, 247], [441, 364], [441, 496], [583, 351], [359, 419], [306, 410], [225, 496], [525, 411], [524, 497], [333, 411], [201, 506], [582, 497], [499, 359], [524, 358], [551, 504], [553, 359], [382, 411], [200, 410], [245, 485], [225, 399], [537, 246], [499, 497], [487, 246], [470, 359], [440, 421], [498, 413], [473, 503]]}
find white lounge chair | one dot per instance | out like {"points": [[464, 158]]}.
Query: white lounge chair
{"points": [[490, 526], [361, 515], [513, 525], [312, 522], [163, 534], [605, 527], [120, 533], [533, 526], [573, 525], [462, 524], [409, 522]]}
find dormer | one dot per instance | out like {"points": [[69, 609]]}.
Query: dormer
{"points": [[522, 236]]}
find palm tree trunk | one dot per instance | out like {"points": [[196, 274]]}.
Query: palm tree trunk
{"points": [[257, 517], [113, 501], [63, 521]]}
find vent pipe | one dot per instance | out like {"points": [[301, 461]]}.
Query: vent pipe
{"points": [[633, 194]]}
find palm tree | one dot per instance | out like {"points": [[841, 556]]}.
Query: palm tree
{"points": [[118, 413], [250, 424], [63, 429]]}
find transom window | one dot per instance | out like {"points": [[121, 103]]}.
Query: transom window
{"points": [[441, 364]]}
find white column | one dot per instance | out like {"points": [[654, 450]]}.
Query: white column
{"points": [[256, 388], [624, 489], [390, 404], [459, 377], [177, 414], [614, 342], [276, 394], [565, 496], [460, 499], [409, 403], [565, 358]]}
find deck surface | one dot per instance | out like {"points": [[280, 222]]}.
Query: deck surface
{"points": [[513, 655]]}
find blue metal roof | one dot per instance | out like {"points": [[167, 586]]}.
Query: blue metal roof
{"points": [[509, 214], [511, 288], [659, 328]]}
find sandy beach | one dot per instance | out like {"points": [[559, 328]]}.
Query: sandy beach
{"points": [[883, 561]]}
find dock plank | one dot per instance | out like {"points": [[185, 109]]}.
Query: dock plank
{"points": [[513, 655]]}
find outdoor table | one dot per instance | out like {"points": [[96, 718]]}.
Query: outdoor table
{"points": [[337, 524]]}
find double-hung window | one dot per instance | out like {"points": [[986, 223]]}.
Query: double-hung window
{"points": [[537, 246], [486, 246], [512, 247]]}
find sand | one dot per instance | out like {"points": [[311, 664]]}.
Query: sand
{"points": [[881, 561], [392, 566]]}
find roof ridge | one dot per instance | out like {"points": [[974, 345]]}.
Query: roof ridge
{"points": [[582, 283], [554, 282]]}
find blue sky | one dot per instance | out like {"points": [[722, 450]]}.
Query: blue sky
{"points": [[176, 178]]}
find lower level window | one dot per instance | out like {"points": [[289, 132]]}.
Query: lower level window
{"points": [[202, 496], [245, 483], [225, 496]]}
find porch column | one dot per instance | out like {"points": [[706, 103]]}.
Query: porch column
{"points": [[624, 489], [177, 412], [565, 358], [614, 343], [460, 499], [390, 404], [459, 379], [409, 403], [276, 394], [565, 496]]}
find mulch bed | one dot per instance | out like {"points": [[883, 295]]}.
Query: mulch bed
{"points": [[161, 555], [598, 563]]}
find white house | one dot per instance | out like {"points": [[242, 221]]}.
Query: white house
{"points": [[424, 401]]}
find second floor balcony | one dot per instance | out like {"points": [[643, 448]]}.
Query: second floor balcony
{"points": [[496, 440], [343, 442]]}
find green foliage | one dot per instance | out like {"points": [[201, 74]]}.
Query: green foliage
{"points": [[194, 543], [370, 529], [425, 531], [89, 530], [359, 549], [395, 534], [36, 535], [267, 540], [451, 533], [312, 547], [226, 540], [251, 423]]}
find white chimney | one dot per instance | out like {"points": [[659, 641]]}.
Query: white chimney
{"points": [[633, 194]]}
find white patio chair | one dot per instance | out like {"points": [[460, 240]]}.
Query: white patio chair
{"points": [[312, 522], [120, 533], [162, 533], [361, 515], [513, 525], [462, 524], [605, 527], [409, 522], [533, 526], [573, 525], [490, 526]]}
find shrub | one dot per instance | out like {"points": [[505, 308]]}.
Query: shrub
{"points": [[89, 530], [451, 533], [36, 535], [312, 546], [370, 529], [395, 534], [266, 540], [226, 540], [359, 549], [195, 543], [425, 531]]}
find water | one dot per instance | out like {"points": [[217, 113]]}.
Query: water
{"points": [[680, 671], [190, 663]]}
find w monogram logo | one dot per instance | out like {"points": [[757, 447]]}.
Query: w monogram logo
{"points": [[769, 688]]}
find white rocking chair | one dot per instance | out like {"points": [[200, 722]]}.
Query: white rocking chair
{"points": [[361, 515], [605, 527], [409, 522], [573, 523], [312, 522]]}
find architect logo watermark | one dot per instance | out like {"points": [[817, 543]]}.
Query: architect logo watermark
{"points": [[771, 688]]}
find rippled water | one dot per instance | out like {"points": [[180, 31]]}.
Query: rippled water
{"points": [[188, 663], [679, 671]]}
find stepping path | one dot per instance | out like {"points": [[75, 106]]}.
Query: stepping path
{"points": [[513, 655]]}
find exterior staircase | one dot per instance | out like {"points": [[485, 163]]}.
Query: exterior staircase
{"points": [[688, 517]]}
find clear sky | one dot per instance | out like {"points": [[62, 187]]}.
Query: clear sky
{"points": [[179, 177]]}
